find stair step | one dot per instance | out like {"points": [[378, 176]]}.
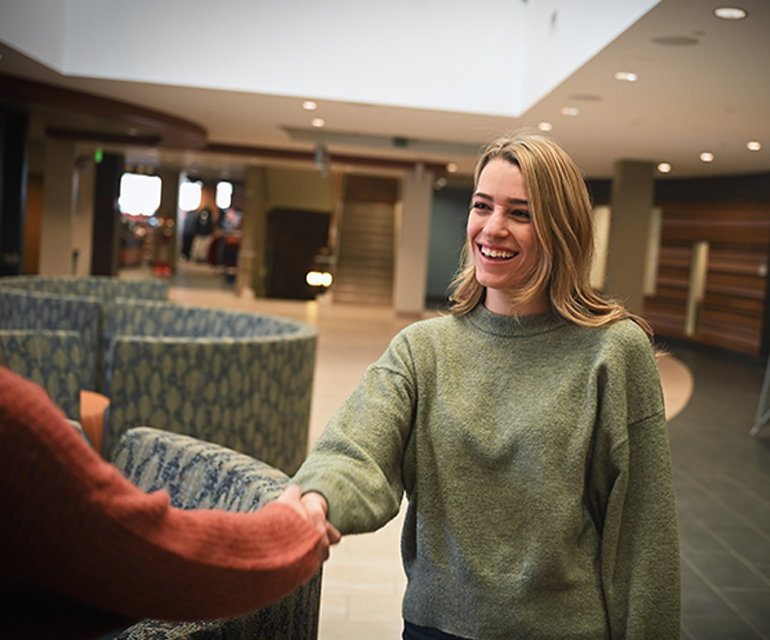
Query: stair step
{"points": [[364, 271]]}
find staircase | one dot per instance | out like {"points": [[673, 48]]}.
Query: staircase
{"points": [[364, 273]]}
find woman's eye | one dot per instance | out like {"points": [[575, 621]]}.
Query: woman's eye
{"points": [[481, 206], [521, 213]]}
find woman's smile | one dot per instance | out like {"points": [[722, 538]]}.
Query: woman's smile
{"points": [[497, 254]]}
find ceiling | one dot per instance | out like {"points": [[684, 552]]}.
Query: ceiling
{"points": [[702, 87]]}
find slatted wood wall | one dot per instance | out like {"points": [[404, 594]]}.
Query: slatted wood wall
{"points": [[732, 311]]}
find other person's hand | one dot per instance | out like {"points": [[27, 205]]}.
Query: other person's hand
{"points": [[314, 513]]}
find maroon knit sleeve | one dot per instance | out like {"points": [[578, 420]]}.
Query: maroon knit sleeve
{"points": [[75, 527]]}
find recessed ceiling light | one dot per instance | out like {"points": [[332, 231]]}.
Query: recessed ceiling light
{"points": [[570, 111], [675, 41], [587, 97], [730, 13], [545, 126], [626, 76], [309, 105], [318, 122], [753, 145], [451, 167], [664, 167], [707, 157]]}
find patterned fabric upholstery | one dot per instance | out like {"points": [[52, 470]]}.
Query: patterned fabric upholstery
{"points": [[72, 303], [170, 320], [52, 359], [53, 312], [201, 475], [238, 379], [247, 385], [105, 288]]}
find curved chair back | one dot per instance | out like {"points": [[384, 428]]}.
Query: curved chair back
{"points": [[237, 379], [201, 475], [52, 359]]}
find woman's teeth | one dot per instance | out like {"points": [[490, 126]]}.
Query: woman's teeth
{"points": [[493, 253]]}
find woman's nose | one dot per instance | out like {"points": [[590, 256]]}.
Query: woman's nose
{"points": [[496, 224]]}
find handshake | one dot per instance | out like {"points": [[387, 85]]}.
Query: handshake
{"points": [[313, 507]]}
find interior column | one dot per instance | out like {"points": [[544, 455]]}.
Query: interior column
{"points": [[412, 242], [165, 249], [14, 138], [251, 255], [57, 238], [105, 249], [631, 202]]}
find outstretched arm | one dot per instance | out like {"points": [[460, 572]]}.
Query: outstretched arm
{"points": [[356, 467], [78, 530]]}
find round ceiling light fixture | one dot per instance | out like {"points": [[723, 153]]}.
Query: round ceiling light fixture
{"points": [[570, 111], [318, 122], [707, 156], [664, 167], [309, 105], [545, 126], [626, 76], [753, 145], [730, 13]]}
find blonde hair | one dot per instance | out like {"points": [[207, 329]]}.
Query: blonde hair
{"points": [[561, 214]]}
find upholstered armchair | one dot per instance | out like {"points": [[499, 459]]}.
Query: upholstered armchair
{"points": [[41, 312], [82, 304], [52, 359], [240, 380], [201, 475]]}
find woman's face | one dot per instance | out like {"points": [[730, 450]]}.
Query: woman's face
{"points": [[502, 237]]}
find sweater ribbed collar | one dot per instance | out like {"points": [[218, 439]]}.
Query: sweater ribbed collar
{"points": [[513, 326]]}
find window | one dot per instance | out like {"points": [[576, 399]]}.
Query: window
{"points": [[224, 195], [139, 194], [190, 195]]}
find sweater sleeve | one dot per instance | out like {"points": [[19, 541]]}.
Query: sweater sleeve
{"points": [[356, 464], [635, 508], [640, 548], [75, 527]]}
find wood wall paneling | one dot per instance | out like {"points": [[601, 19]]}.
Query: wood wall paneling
{"points": [[732, 310]]}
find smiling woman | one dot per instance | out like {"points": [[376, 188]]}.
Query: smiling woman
{"points": [[527, 430]]}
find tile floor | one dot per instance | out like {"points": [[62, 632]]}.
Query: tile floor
{"points": [[722, 480], [722, 476]]}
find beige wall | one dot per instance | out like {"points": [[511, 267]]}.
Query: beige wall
{"points": [[299, 189], [59, 198]]}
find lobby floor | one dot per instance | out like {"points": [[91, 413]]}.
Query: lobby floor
{"points": [[722, 476]]}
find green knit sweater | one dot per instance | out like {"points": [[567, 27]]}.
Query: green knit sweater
{"points": [[535, 458]]}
